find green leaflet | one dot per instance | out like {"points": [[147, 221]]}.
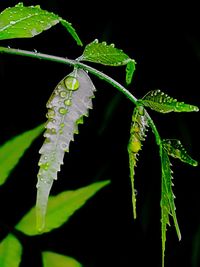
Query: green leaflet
{"points": [[130, 68], [10, 252], [137, 136], [13, 150], [108, 55], [51, 259], [163, 103], [60, 208], [175, 149], [23, 22], [167, 200], [71, 30], [70, 101]]}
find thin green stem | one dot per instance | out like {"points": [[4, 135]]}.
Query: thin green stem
{"points": [[92, 70], [70, 62]]}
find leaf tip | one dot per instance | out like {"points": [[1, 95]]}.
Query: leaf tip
{"points": [[40, 222], [195, 163], [195, 108]]}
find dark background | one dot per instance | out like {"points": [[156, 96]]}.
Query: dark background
{"points": [[165, 42]]}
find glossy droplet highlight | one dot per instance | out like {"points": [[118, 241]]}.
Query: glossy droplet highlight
{"points": [[62, 111], [71, 83], [50, 114], [63, 94], [67, 102], [141, 110], [53, 131], [44, 166]]}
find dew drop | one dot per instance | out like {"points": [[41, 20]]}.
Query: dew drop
{"points": [[53, 131], [141, 110], [45, 180], [45, 165], [12, 22], [20, 4], [50, 114], [194, 108], [33, 32], [59, 87], [71, 83], [47, 140], [62, 111], [68, 102], [63, 94]]}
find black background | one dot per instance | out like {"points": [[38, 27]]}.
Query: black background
{"points": [[165, 42]]}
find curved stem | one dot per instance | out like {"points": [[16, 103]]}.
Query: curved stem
{"points": [[70, 62], [92, 70]]}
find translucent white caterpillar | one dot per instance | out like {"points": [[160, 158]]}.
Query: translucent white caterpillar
{"points": [[67, 105]]}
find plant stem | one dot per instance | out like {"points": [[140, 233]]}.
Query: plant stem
{"points": [[70, 62], [92, 70]]}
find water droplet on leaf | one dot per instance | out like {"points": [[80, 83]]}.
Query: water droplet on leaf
{"points": [[50, 114], [71, 83], [62, 111], [67, 102], [63, 94]]}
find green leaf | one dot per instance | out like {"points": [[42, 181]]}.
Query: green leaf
{"points": [[167, 201], [51, 259], [71, 30], [130, 69], [24, 22], [13, 150], [70, 101], [163, 103], [10, 252], [137, 136], [60, 208], [175, 149], [108, 55], [20, 21]]}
